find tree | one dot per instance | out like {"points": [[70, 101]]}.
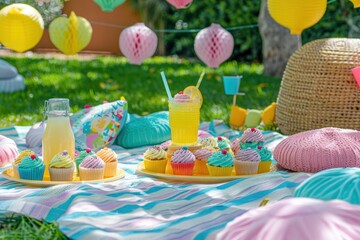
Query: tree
{"points": [[152, 13], [277, 43]]}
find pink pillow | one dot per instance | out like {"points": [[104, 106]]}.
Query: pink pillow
{"points": [[316, 150], [296, 219]]}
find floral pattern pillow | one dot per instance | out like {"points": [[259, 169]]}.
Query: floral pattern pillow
{"points": [[98, 126]]}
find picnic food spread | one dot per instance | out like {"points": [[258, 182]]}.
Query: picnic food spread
{"points": [[189, 155]]}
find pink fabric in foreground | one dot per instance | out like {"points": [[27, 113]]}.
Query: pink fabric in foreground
{"points": [[8, 150], [296, 219], [316, 150]]}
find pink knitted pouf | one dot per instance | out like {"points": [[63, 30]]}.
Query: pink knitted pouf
{"points": [[316, 150], [8, 151]]}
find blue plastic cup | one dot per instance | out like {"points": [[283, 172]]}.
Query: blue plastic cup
{"points": [[231, 84]]}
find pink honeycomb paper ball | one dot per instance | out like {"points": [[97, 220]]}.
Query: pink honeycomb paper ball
{"points": [[179, 3], [138, 42], [214, 45]]}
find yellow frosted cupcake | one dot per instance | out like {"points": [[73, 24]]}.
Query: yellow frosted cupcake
{"points": [[201, 159], [110, 159], [61, 167], [209, 142], [220, 163], [15, 164], [155, 159]]}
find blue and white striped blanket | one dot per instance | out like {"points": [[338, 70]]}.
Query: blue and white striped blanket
{"points": [[139, 207]]}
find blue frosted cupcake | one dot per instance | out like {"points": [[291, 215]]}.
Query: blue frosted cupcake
{"points": [[31, 168], [221, 163], [265, 159]]}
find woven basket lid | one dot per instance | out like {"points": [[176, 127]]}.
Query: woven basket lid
{"points": [[320, 149], [318, 89]]}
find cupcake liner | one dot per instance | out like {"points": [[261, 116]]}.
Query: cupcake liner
{"points": [[91, 173], [16, 170], [201, 167], [61, 174], [219, 171], [168, 169], [264, 166], [110, 169], [156, 166], [183, 168], [246, 167], [32, 173]]}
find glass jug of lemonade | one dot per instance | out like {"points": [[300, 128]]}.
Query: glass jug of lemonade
{"points": [[58, 135]]}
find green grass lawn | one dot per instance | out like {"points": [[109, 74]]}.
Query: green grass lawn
{"points": [[108, 78]]}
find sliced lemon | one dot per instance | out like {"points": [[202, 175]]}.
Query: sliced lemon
{"points": [[194, 94]]}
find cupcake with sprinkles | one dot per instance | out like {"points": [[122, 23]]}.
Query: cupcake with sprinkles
{"points": [[252, 138], [61, 167], [31, 168], [201, 159], [155, 159], [209, 142], [183, 162], [81, 156], [265, 159], [221, 163], [246, 162], [18, 160], [109, 157], [91, 168]]}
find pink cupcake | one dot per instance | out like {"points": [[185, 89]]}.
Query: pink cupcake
{"points": [[235, 145], [246, 162], [92, 168], [183, 162], [201, 159], [252, 138]]}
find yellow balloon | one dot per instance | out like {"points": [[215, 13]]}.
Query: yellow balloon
{"points": [[297, 15], [237, 116], [70, 35], [356, 3], [268, 115], [21, 27]]}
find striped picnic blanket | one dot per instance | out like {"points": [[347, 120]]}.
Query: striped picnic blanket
{"points": [[139, 207]]}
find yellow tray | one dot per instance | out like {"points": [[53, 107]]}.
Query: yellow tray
{"points": [[9, 174], [194, 178]]}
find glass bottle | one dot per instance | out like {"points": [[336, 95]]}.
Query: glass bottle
{"points": [[58, 135]]}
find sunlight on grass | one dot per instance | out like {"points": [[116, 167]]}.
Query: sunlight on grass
{"points": [[109, 78]]}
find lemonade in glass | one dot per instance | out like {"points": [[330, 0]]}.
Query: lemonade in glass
{"points": [[184, 116]]}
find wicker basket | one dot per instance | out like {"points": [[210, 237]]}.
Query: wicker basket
{"points": [[318, 89]]}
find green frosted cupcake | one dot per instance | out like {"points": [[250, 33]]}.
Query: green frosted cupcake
{"points": [[31, 168], [62, 167], [265, 157]]}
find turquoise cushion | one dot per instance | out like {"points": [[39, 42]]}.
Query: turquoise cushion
{"points": [[149, 130], [336, 183]]}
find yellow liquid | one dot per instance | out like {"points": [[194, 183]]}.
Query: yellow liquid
{"points": [[58, 136], [184, 119]]}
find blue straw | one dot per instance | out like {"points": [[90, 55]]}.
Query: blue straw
{"points": [[166, 85]]}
